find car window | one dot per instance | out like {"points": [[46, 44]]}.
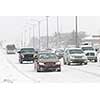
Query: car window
{"points": [[10, 47], [87, 48], [27, 50], [47, 56], [75, 51]]}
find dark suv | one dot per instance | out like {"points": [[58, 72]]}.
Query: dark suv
{"points": [[26, 54]]}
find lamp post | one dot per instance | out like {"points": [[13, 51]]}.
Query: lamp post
{"points": [[33, 31], [47, 31], [39, 29], [76, 35], [58, 31], [33, 36]]}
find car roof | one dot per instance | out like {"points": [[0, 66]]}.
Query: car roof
{"points": [[43, 52], [26, 48], [86, 46], [74, 48]]}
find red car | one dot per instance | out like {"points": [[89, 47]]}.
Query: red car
{"points": [[47, 61]]}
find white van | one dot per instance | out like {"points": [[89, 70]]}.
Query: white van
{"points": [[90, 52]]}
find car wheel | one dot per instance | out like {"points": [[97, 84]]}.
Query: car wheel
{"points": [[95, 60], [38, 70], [68, 63], [20, 61], [85, 63], [64, 61], [59, 70], [81, 63]]}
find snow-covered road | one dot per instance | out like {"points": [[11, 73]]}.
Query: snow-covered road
{"points": [[11, 71]]}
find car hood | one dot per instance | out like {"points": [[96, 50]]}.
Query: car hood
{"points": [[78, 54], [89, 51], [48, 60], [28, 53]]}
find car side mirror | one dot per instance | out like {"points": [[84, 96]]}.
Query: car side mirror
{"points": [[36, 56], [96, 49], [19, 52]]}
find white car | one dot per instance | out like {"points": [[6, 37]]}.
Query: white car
{"points": [[90, 53], [74, 55]]}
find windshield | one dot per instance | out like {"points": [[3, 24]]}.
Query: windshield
{"points": [[75, 51], [60, 51], [27, 50], [87, 48], [47, 56], [10, 47]]}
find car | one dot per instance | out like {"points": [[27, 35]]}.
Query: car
{"points": [[90, 52], [47, 61], [10, 49], [74, 55], [26, 54], [59, 53]]}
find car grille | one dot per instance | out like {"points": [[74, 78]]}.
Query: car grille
{"points": [[28, 56], [78, 56], [49, 63], [90, 54]]}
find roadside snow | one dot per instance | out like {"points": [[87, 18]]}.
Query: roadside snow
{"points": [[8, 73]]}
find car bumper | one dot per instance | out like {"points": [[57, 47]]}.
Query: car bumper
{"points": [[48, 67], [10, 52], [78, 60], [27, 59], [91, 58]]}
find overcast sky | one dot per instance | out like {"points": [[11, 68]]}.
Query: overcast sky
{"points": [[12, 27]]}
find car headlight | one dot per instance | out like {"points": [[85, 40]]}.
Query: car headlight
{"points": [[57, 63], [41, 63], [84, 57], [22, 56], [72, 57], [95, 54]]}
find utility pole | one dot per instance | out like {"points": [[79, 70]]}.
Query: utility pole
{"points": [[47, 32], [33, 37], [58, 33], [39, 24], [39, 32], [76, 36], [25, 37], [22, 39], [29, 34]]}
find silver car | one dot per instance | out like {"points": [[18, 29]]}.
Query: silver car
{"points": [[74, 55]]}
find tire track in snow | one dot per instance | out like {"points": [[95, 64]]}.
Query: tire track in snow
{"points": [[87, 72], [19, 71]]}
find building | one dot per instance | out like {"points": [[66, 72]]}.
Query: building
{"points": [[94, 40]]}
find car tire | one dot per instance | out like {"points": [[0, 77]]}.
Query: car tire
{"points": [[20, 61], [95, 60], [68, 63], [38, 69], [59, 70], [85, 63], [64, 61], [81, 63]]}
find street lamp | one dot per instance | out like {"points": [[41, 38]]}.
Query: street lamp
{"points": [[58, 31], [33, 25], [76, 36], [47, 31], [39, 22]]}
